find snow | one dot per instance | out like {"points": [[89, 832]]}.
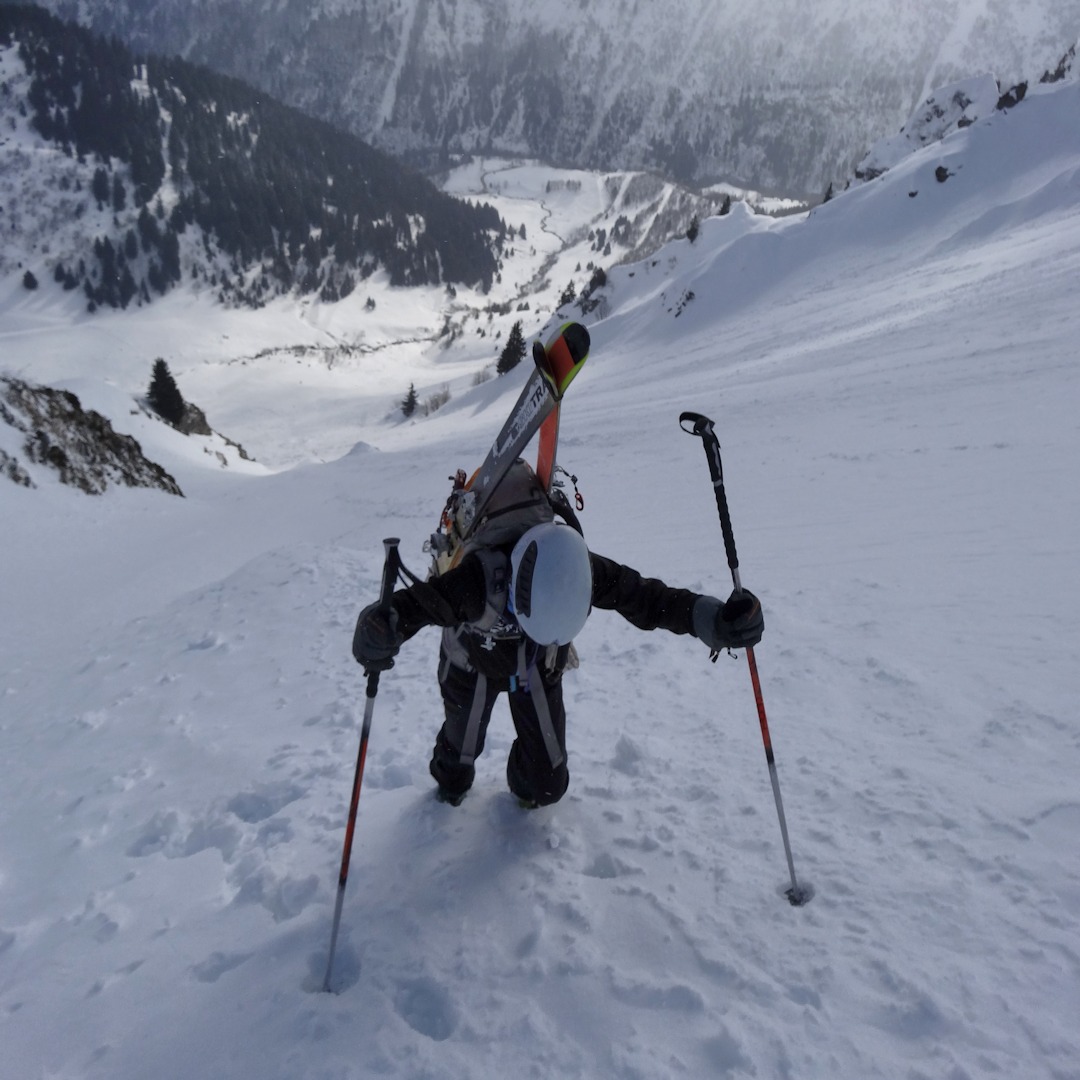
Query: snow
{"points": [[895, 387], [947, 109]]}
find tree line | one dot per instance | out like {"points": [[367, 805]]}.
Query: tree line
{"points": [[284, 202]]}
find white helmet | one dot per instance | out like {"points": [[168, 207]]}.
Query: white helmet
{"points": [[551, 583]]}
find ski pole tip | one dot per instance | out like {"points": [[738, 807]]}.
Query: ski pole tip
{"points": [[799, 895]]}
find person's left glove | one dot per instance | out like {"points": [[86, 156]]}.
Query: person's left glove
{"points": [[735, 624], [376, 640]]}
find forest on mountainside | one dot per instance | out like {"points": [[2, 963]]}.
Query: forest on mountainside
{"points": [[275, 200]]}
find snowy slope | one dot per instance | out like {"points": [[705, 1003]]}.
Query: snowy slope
{"points": [[895, 385]]}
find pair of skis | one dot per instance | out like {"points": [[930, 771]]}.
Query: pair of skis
{"points": [[557, 361], [537, 409]]}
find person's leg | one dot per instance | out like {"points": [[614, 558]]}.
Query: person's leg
{"points": [[536, 768], [467, 701]]}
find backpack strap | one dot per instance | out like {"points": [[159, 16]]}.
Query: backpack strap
{"points": [[428, 598], [472, 726], [543, 710]]}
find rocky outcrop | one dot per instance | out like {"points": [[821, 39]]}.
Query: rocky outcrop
{"points": [[80, 445]]}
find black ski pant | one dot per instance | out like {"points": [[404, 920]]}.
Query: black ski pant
{"points": [[536, 768]]}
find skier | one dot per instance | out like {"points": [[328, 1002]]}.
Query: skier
{"points": [[509, 613]]}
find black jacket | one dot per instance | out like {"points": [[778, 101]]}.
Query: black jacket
{"points": [[458, 597]]}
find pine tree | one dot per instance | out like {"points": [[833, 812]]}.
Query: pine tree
{"points": [[513, 351], [408, 405], [164, 395], [692, 231], [99, 187]]}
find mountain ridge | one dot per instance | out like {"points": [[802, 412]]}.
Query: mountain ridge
{"points": [[777, 97]]}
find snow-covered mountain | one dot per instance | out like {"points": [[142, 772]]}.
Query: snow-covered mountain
{"points": [[121, 179], [895, 386], [782, 95]]}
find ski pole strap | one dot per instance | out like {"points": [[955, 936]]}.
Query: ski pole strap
{"points": [[704, 428], [440, 610]]}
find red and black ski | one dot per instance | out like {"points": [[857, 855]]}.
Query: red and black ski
{"points": [[559, 361], [537, 409]]}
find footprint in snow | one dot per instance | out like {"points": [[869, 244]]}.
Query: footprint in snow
{"points": [[427, 1008], [217, 964], [605, 866], [265, 801]]}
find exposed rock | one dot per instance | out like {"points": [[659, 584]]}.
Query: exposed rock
{"points": [[946, 110], [1012, 97], [1063, 68], [10, 467], [79, 444], [193, 422]]}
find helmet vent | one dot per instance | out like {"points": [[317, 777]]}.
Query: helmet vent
{"points": [[523, 580]]}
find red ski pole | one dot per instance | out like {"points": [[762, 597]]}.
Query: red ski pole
{"points": [[390, 569], [703, 427]]}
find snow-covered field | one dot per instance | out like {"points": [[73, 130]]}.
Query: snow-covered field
{"points": [[896, 385]]}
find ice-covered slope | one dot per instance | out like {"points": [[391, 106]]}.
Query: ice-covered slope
{"points": [[895, 387]]}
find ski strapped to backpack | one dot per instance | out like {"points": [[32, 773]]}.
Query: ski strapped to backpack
{"points": [[472, 504]]}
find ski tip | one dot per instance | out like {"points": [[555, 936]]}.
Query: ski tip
{"points": [[577, 339], [563, 356]]}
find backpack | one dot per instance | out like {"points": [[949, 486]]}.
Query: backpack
{"points": [[517, 504]]}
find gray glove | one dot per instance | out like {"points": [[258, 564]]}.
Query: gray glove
{"points": [[376, 640], [735, 624]]}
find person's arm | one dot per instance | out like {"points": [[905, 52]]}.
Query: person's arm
{"points": [[650, 604], [451, 599], [646, 602]]}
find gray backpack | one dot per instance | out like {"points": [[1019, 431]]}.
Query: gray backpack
{"points": [[518, 503]]}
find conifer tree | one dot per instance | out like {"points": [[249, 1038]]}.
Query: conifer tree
{"points": [[164, 395], [513, 351], [408, 405]]}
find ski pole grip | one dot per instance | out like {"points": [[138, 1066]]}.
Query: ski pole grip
{"points": [[390, 571], [704, 428], [391, 563]]}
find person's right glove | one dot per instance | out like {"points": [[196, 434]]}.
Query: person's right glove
{"points": [[376, 640], [736, 624]]}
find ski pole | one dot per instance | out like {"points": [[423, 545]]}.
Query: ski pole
{"points": [[703, 427], [390, 570]]}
